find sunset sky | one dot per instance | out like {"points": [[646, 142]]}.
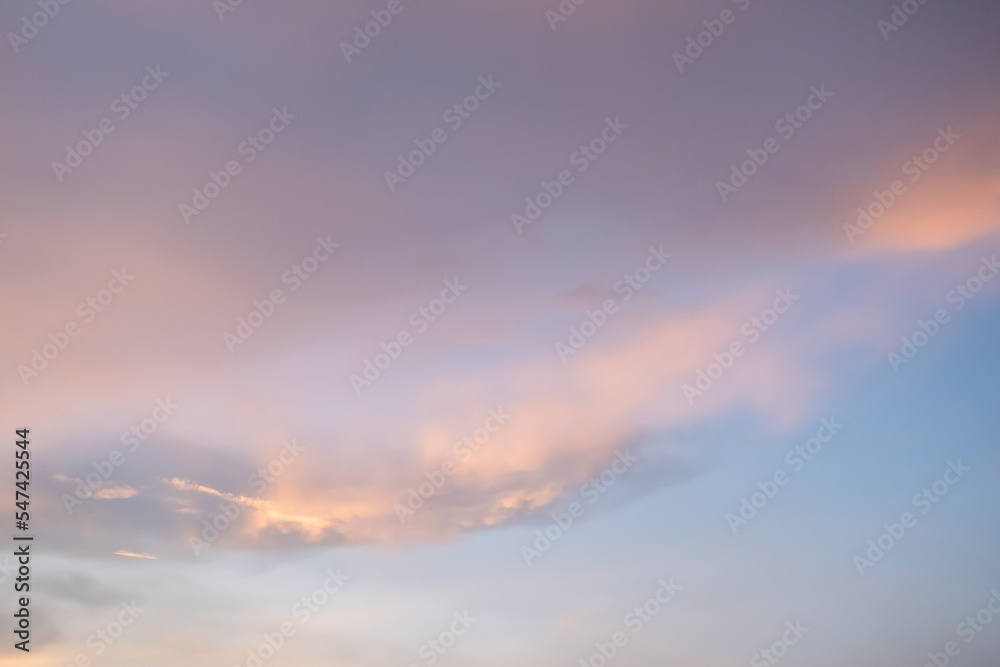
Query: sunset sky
{"points": [[493, 328]]}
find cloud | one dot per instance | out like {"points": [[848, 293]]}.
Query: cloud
{"points": [[946, 199], [562, 424], [129, 554]]}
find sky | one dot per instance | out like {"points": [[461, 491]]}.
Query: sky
{"points": [[430, 332]]}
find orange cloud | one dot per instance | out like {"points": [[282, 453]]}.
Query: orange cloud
{"points": [[936, 206], [565, 422]]}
